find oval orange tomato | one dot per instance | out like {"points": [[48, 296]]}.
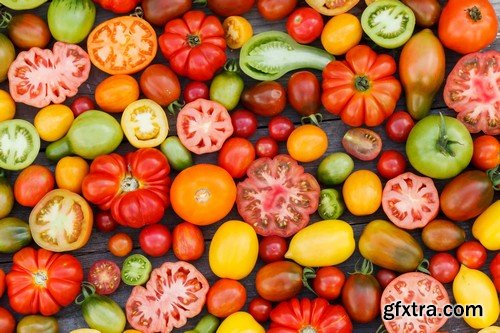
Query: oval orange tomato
{"points": [[70, 172], [116, 92], [307, 143], [32, 184]]}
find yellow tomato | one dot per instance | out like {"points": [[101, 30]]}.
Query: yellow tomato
{"points": [[85, 330], [7, 106], [307, 143], [362, 192], [53, 122], [237, 30], [491, 329], [474, 287], [240, 322], [233, 250], [132, 331], [486, 228], [70, 171], [341, 33], [324, 243]]}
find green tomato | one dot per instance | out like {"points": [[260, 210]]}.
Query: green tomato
{"points": [[208, 324], [22, 4], [335, 168], [226, 87], [70, 21], [6, 196], [37, 324], [331, 206], [439, 147], [19, 144], [7, 56], [178, 156], [14, 234], [136, 269]]}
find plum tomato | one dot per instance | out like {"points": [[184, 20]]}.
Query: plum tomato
{"points": [[272, 248], [443, 267], [399, 126], [235, 156], [81, 104], [304, 93], [391, 164], [274, 10], [266, 147], [105, 276], [362, 143], [385, 276], [280, 128], [105, 222], [155, 240], [244, 123], [194, 90], [472, 254], [486, 153], [304, 25], [260, 309], [187, 241], [120, 244], [266, 98], [226, 297]]}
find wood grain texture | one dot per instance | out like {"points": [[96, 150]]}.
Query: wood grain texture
{"points": [[71, 318]]}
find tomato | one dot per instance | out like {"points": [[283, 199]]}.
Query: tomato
{"points": [[384, 277], [227, 86], [244, 123], [341, 33], [443, 267], [226, 297], [129, 36], [419, 288], [468, 26], [240, 322], [159, 83], [472, 254], [105, 222], [275, 10], [278, 197], [19, 144], [486, 153], [303, 93], [187, 242], [2, 282], [203, 194], [194, 90], [307, 143], [279, 281], [23, 4], [53, 122], [237, 30], [7, 321], [177, 155], [105, 276], [203, 126], [155, 240], [7, 106], [304, 25], [398, 126], [494, 270], [442, 235], [28, 30], [236, 156], [152, 309], [6, 196], [335, 168], [116, 92], [7, 56], [280, 128], [331, 205], [362, 143], [468, 92], [15, 234], [159, 12], [120, 244], [391, 164], [81, 104], [362, 90], [426, 12], [230, 7], [42, 281], [204, 52], [362, 192], [486, 227], [70, 21], [32, 184], [272, 248], [332, 8], [266, 147], [439, 147], [328, 282], [68, 74], [70, 171], [136, 269], [266, 98], [118, 6], [260, 309], [38, 324]]}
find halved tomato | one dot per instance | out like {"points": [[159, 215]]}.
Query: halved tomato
{"points": [[278, 196], [122, 45], [332, 7], [105, 276], [203, 126], [472, 91], [410, 201], [61, 221], [144, 123]]}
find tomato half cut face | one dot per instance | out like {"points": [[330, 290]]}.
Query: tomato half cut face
{"points": [[105, 276], [332, 7], [19, 144]]}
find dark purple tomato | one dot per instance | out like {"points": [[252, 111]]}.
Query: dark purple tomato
{"points": [[399, 125], [266, 147], [244, 123], [280, 128], [260, 309], [272, 248], [195, 90], [81, 104], [28, 30], [266, 98], [361, 297], [385, 276], [391, 164]]}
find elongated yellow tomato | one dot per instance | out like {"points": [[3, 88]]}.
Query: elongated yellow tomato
{"points": [[114, 93], [491, 329], [341, 33], [474, 287], [7, 106], [237, 30], [85, 330], [324, 243], [307, 143], [362, 192], [53, 122], [240, 322], [486, 228], [233, 250]]}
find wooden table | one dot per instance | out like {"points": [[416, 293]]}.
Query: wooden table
{"points": [[96, 249]]}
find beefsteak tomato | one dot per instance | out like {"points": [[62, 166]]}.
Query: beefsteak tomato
{"points": [[361, 89], [135, 186]]}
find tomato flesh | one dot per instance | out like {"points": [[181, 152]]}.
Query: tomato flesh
{"points": [[105, 276]]}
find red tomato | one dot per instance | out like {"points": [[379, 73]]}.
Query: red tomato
{"points": [[486, 152], [304, 25], [266, 147], [155, 240], [32, 184], [235, 156], [279, 281], [494, 269], [194, 90], [272, 248], [266, 98], [118, 6], [260, 309], [361, 297], [160, 84], [105, 222], [188, 242], [7, 321], [203, 126], [362, 143], [410, 201], [28, 30], [226, 297], [399, 126], [391, 164], [81, 104], [2, 282], [280, 128], [444, 267], [105, 276], [274, 10], [472, 254], [230, 7], [244, 123], [385, 276], [159, 12], [328, 282], [120, 244], [304, 93]]}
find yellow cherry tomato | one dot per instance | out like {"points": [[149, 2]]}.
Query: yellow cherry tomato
{"points": [[240, 322], [7, 106], [474, 287], [70, 171], [341, 33], [53, 122], [491, 329], [324, 243], [307, 143], [237, 30], [486, 228], [233, 250], [362, 192]]}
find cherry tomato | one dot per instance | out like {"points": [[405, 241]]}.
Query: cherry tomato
{"points": [[399, 125], [385, 276], [260, 309], [105, 222], [486, 152], [7, 321], [272, 248], [266, 147], [81, 104], [187, 241], [273, 10], [304, 93], [304, 25], [155, 240], [105, 276], [472, 254], [235, 156], [195, 90], [328, 282], [444, 267], [120, 244], [226, 297], [280, 128], [70, 172], [244, 123], [32, 184], [391, 164]]}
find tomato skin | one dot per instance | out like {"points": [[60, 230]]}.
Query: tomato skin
{"points": [[304, 25], [303, 93], [362, 192], [266, 98], [32, 184], [266, 147], [361, 297], [159, 12], [187, 242], [486, 154], [155, 240], [472, 254], [399, 126], [307, 143], [272, 248], [391, 164], [226, 297], [279, 281], [28, 30], [160, 84], [120, 244], [81, 104], [384, 277], [195, 90], [274, 10], [70, 171], [280, 128], [116, 92], [227, 8], [328, 282], [7, 321], [244, 123], [442, 235], [235, 156], [104, 221], [444, 267], [260, 309]]}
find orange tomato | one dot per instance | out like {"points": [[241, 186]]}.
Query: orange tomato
{"points": [[203, 194], [120, 244], [70, 172], [116, 92], [307, 143]]}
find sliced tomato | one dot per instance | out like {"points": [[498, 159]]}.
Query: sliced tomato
{"points": [[174, 293], [332, 7], [409, 288], [203, 126], [410, 201], [105, 276], [472, 90], [278, 197], [39, 77], [122, 45]]}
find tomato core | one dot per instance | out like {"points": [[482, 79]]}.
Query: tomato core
{"points": [[361, 83], [474, 14], [308, 329], [40, 279], [193, 40], [202, 195], [129, 184]]}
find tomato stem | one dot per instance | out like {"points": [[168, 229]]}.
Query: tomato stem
{"points": [[424, 266], [40, 278], [308, 273], [444, 143], [493, 174], [314, 119], [474, 13], [231, 66], [88, 289], [175, 107], [381, 329], [202, 3], [362, 83], [138, 12], [129, 184], [308, 329], [5, 19], [366, 267], [193, 40]]}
